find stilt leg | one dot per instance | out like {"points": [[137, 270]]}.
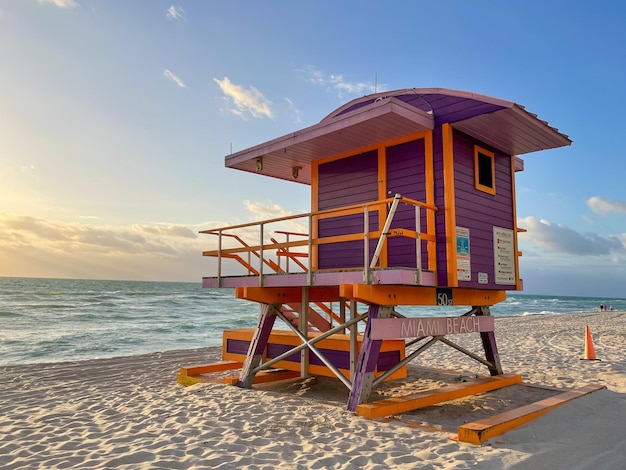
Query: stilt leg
{"points": [[258, 344], [489, 345], [368, 358]]}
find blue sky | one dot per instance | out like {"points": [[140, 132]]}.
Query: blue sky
{"points": [[115, 117]]}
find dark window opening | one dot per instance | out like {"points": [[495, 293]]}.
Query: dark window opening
{"points": [[484, 170]]}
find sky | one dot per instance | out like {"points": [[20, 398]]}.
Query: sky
{"points": [[116, 116]]}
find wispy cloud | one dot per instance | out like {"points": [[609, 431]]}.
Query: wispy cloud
{"points": [[601, 206], [170, 76], [175, 12], [293, 110], [557, 238], [267, 211], [61, 3], [244, 101], [338, 83]]}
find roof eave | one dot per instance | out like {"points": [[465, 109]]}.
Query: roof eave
{"points": [[289, 157]]}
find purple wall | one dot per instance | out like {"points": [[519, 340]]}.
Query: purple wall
{"points": [[406, 175], [344, 182], [355, 179], [479, 211]]}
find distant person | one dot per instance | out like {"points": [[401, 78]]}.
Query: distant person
{"points": [[602, 307]]}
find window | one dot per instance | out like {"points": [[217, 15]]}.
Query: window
{"points": [[484, 170]]}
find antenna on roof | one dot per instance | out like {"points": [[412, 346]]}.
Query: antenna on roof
{"points": [[376, 82]]}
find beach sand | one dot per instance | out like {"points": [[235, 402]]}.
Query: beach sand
{"points": [[130, 412]]}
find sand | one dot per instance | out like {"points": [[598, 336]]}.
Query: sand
{"points": [[130, 413]]}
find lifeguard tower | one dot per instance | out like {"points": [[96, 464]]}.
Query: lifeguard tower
{"points": [[412, 204]]}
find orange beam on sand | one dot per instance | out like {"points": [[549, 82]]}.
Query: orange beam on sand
{"points": [[392, 406], [208, 368], [265, 376], [479, 431], [417, 295], [283, 295]]}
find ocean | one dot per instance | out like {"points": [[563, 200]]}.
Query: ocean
{"points": [[57, 320]]}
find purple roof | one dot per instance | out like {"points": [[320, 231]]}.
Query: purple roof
{"points": [[376, 118]]}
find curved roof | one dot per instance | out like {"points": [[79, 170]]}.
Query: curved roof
{"points": [[384, 116]]}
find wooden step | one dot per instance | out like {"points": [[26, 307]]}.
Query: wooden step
{"points": [[479, 431], [403, 404], [265, 376], [209, 368]]}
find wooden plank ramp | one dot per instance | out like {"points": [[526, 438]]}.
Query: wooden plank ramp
{"points": [[403, 404], [480, 431], [192, 375]]}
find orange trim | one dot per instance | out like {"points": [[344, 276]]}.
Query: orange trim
{"points": [[315, 189], [449, 203], [382, 194], [430, 198], [516, 230], [481, 187]]}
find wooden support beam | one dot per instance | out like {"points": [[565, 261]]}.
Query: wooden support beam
{"points": [[479, 431], [418, 295], [488, 339], [286, 295], [397, 405], [258, 344], [368, 358]]}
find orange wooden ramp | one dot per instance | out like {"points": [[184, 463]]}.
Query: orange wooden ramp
{"points": [[479, 431]]}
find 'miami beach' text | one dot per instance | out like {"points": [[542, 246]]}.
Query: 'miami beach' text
{"points": [[437, 326]]}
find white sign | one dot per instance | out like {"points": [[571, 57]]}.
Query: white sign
{"points": [[463, 262], [504, 255]]}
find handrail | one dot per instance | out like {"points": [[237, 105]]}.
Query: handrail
{"points": [[353, 207], [282, 248]]}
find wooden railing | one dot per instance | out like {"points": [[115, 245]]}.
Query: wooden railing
{"points": [[268, 252]]}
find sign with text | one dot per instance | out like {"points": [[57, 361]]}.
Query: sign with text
{"points": [[463, 260], [385, 328], [504, 255]]}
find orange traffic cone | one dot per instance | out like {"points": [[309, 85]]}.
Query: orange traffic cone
{"points": [[590, 353]]}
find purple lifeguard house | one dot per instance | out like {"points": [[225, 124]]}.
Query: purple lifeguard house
{"points": [[412, 204]]}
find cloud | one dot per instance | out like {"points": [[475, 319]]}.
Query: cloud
{"points": [[26, 232], [556, 238], [175, 12], [264, 211], [245, 101], [36, 247], [167, 231], [295, 111], [603, 207], [61, 3], [170, 76], [337, 82]]}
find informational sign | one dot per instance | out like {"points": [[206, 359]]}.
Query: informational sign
{"points": [[383, 328], [463, 265], [504, 255]]}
